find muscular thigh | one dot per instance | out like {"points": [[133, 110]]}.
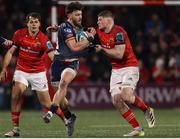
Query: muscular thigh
{"points": [[44, 98], [18, 88], [20, 79], [68, 75]]}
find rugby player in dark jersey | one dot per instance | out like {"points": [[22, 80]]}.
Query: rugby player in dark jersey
{"points": [[65, 64]]}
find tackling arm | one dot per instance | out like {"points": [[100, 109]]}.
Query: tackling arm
{"points": [[6, 62], [117, 52], [77, 46], [51, 55], [8, 57]]}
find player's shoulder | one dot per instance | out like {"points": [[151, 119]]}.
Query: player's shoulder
{"points": [[21, 31], [66, 27], [42, 36], [119, 28], [99, 31], [65, 24]]}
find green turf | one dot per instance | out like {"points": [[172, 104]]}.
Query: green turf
{"points": [[93, 123]]}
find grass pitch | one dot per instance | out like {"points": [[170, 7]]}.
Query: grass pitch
{"points": [[93, 124]]}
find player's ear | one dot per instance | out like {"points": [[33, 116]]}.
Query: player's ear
{"points": [[109, 21], [27, 24], [69, 16]]}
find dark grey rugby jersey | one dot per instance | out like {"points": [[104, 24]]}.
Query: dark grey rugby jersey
{"points": [[65, 32], [62, 50]]}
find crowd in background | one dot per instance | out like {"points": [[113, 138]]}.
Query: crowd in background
{"points": [[154, 32]]}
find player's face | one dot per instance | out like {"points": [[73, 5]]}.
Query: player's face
{"points": [[76, 17], [33, 25], [102, 22]]}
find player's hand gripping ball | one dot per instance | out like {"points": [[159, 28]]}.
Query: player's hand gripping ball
{"points": [[81, 35]]}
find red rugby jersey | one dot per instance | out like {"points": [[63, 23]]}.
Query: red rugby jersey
{"points": [[32, 50], [118, 36]]}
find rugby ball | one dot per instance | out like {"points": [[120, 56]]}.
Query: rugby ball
{"points": [[81, 35]]}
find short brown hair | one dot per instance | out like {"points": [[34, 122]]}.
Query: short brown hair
{"points": [[73, 6], [34, 15], [106, 13]]}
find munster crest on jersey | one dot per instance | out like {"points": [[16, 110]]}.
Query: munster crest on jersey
{"points": [[38, 44], [111, 40]]}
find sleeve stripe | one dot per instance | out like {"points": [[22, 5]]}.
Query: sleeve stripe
{"points": [[70, 38]]}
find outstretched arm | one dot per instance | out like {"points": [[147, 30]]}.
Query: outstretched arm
{"points": [[4, 41], [53, 28], [6, 62]]}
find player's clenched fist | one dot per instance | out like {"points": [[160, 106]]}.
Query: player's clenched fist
{"points": [[98, 48], [92, 30], [8, 42]]}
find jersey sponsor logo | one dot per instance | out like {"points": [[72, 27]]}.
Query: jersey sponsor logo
{"points": [[126, 84], [28, 42], [49, 45], [28, 50], [120, 37], [68, 30]]}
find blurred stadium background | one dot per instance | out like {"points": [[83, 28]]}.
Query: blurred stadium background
{"points": [[154, 30]]}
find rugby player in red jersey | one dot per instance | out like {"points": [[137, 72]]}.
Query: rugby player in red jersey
{"points": [[125, 72], [32, 45]]}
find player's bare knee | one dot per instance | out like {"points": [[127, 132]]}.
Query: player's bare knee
{"points": [[126, 95], [117, 100], [63, 84], [15, 96]]}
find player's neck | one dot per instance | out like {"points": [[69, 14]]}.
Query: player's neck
{"points": [[74, 27], [33, 33], [109, 28]]}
